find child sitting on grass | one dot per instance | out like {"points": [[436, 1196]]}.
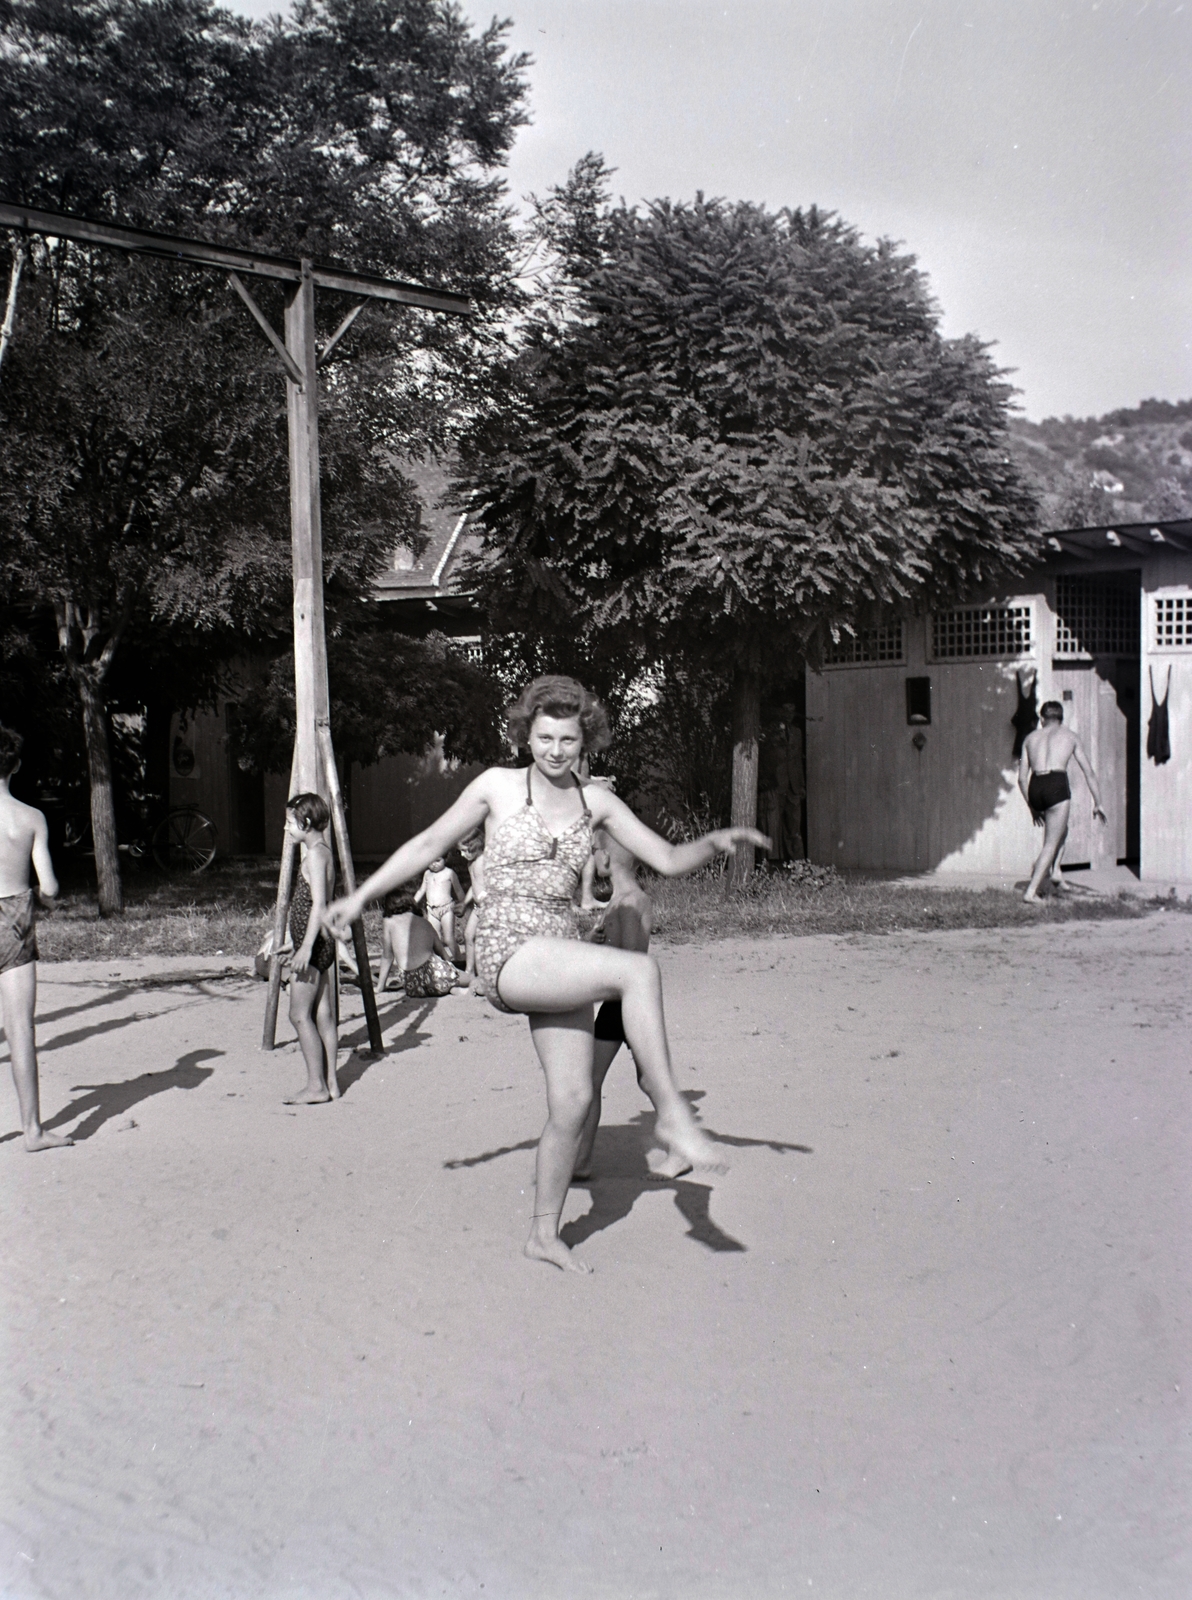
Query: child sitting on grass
{"points": [[411, 948]]}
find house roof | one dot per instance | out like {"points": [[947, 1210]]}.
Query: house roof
{"points": [[430, 578], [1123, 539]]}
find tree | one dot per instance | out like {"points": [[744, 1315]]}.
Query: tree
{"points": [[142, 466], [390, 695], [737, 433]]}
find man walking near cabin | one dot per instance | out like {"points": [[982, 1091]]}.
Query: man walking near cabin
{"points": [[23, 842], [1043, 779]]}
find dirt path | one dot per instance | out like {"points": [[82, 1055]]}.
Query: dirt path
{"points": [[928, 1338]]}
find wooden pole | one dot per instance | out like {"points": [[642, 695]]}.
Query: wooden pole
{"points": [[311, 698], [344, 847], [10, 308], [281, 915], [311, 695]]}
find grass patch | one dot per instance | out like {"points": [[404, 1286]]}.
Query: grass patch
{"points": [[225, 911], [228, 910], [699, 908]]}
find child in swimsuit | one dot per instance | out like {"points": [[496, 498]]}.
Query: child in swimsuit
{"points": [[441, 890], [412, 950], [538, 829], [312, 1002], [24, 843], [472, 850]]}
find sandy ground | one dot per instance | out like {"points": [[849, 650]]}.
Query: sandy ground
{"points": [[928, 1338]]}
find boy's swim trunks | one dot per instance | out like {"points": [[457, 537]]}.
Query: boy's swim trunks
{"points": [[18, 931]]}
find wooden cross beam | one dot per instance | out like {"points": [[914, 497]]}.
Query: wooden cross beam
{"points": [[300, 358]]}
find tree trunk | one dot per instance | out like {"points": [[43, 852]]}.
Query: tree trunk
{"points": [[747, 698], [103, 807]]}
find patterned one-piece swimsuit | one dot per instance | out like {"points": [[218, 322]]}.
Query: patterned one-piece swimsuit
{"points": [[301, 905], [530, 879]]}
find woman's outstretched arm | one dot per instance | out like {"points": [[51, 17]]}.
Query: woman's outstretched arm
{"points": [[413, 857], [671, 860]]}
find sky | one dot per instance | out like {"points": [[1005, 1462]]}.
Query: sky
{"points": [[1032, 154]]}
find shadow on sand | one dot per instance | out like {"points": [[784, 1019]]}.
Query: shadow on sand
{"points": [[621, 1176], [102, 1101], [411, 1035]]}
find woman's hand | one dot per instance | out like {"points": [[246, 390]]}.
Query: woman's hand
{"points": [[340, 915], [725, 840]]}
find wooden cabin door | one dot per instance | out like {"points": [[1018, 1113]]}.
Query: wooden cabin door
{"points": [[1100, 699]]}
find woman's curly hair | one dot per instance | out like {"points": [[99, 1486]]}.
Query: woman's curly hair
{"points": [[556, 696]]}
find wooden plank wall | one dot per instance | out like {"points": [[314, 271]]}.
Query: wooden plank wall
{"points": [[208, 786], [400, 796], [874, 801], [1166, 791]]}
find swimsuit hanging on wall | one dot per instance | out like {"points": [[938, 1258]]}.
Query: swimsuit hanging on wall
{"points": [[1158, 731], [1026, 719]]}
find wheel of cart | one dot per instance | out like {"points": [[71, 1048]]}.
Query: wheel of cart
{"points": [[185, 840]]}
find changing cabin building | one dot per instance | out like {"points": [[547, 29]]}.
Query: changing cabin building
{"points": [[913, 729]]}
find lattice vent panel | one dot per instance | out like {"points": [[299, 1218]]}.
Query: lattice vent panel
{"points": [[1096, 618], [977, 631], [1173, 622], [872, 646]]}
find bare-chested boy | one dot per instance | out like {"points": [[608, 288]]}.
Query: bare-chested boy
{"points": [[627, 924], [23, 839], [1043, 779]]}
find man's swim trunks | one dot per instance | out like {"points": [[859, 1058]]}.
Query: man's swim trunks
{"points": [[1047, 789], [609, 1025], [434, 977], [18, 931]]}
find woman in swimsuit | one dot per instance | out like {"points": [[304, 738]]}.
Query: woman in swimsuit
{"points": [[312, 1004], [538, 824]]}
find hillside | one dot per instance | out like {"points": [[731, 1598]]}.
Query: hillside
{"points": [[1123, 467]]}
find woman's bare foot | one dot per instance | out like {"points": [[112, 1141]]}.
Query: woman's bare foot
{"points": [[333, 1084], [308, 1097], [1029, 899], [664, 1164], [41, 1140], [544, 1244], [691, 1145]]}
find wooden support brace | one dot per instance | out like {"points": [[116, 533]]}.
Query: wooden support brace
{"points": [[292, 370], [325, 353], [285, 888], [344, 848]]}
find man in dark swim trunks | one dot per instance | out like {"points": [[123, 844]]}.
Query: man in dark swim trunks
{"points": [[23, 844], [1043, 779]]}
